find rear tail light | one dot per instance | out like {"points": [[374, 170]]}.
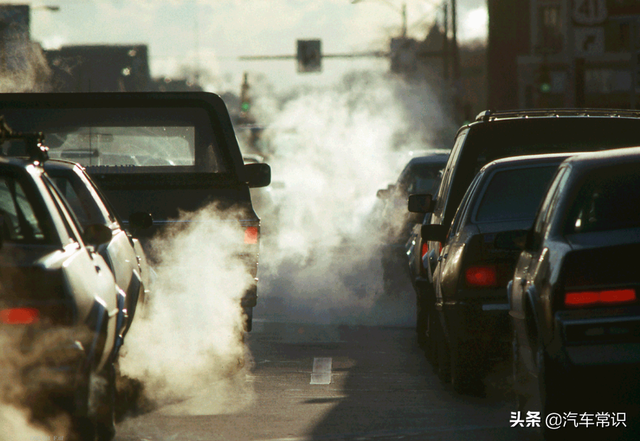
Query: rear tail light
{"points": [[481, 276], [251, 235], [19, 316], [577, 299], [425, 249]]}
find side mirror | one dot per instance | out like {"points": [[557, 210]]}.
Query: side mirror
{"points": [[383, 193], [420, 203], [96, 235], [140, 220], [511, 240], [434, 233], [258, 174]]}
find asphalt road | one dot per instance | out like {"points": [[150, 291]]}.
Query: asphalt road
{"points": [[323, 382]]}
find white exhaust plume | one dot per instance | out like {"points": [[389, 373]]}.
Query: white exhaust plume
{"points": [[333, 149], [192, 335]]}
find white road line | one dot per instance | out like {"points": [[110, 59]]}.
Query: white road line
{"points": [[321, 373]]}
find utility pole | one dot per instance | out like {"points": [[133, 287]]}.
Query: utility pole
{"points": [[445, 43], [454, 48]]}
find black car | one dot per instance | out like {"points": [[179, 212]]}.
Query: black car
{"points": [[471, 277], [420, 175], [496, 135], [574, 294], [59, 301], [165, 154], [123, 253]]}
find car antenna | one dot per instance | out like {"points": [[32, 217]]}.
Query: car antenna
{"points": [[36, 151]]}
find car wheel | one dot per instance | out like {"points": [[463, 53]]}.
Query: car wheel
{"points": [[518, 373], [443, 356], [466, 376], [421, 324], [106, 415]]}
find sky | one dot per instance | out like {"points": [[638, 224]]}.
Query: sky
{"points": [[212, 34]]}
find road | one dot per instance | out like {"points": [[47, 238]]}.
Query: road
{"points": [[372, 383]]}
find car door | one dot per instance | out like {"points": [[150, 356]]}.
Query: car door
{"points": [[524, 295]]}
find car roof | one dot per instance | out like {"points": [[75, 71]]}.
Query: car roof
{"points": [[59, 164], [528, 160], [592, 160], [16, 161], [435, 158]]}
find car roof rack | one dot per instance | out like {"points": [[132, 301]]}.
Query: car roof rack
{"points": [[488, 115], [33, 141]]}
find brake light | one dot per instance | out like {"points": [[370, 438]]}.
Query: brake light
{"points": [[425, 249], [483, 276], [251, 235], [19, 316], [577, 299]]}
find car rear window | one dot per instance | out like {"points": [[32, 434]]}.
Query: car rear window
{"points": [[424, 178], [18, 218], [607, 201], [514, 194], [125, 140]]}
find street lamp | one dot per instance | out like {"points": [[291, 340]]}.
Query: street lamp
{"points": [[402, 11]]}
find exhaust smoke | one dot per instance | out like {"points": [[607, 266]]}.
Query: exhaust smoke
{"points": [[191, 338]]}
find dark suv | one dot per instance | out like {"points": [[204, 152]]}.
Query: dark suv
{"points": [[497, 135]]}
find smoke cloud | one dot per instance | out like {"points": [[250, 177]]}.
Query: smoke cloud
{"points": [[191, 337], [333, 149]]}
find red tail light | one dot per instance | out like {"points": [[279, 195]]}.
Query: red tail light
{"points": [[251, 235], [481, 276], [577, 299], [19, 316], [425, 249]]}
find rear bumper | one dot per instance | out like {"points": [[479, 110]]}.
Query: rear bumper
{"points": [[481, 322], [599, 337]]}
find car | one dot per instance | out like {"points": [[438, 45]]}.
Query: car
{"points": [[574, 293], [58, 298], [123, 253], [420, 175], [499, 134], [191, 131], [471, 277]]}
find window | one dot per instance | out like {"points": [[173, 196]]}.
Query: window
{"points": [[607, 201], [514, 194], [18, 218]]}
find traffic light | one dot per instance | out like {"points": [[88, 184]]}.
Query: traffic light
{"points": [[544, 79], [309, 56]]}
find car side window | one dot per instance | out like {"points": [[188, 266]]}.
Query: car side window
{"points": [[464, 206], [443, 193], [548, 204], [18, 219], [71, 225]]}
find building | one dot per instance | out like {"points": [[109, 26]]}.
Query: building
{"points": [[100, 68], [580, 53]]}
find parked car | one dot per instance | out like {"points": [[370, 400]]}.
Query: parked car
{"points": [[420, 175], [123, 253], [497, 135], [58, 296], [471, 277], [574, 294], [191, 157]]}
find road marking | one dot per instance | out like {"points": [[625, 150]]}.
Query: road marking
{"points": [[321, 373]]}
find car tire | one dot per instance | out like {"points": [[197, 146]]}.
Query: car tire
{"points": [[443, 356], [518, 373], [466, 376], [106, 415]]}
